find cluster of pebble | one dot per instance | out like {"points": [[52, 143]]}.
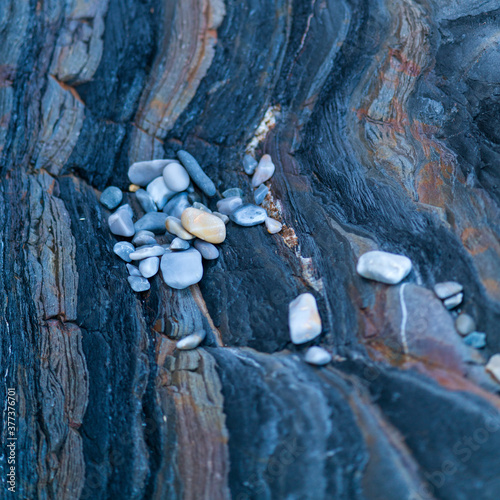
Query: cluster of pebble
{"points": [[164, 189]]}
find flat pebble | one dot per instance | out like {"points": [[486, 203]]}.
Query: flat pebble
{"points": [[222, 217], [191, 341], [476, 340], [111, 197], [317, 356], [149, 267], [384, 267], [175, 226], [144, 238], [264, 171], [273, 226], [146, 201], [123, 249], [493, 367], [249, 164], [229, 193], [159, 191], [177, 205], [207, 227], [260, 194], [200, 206], [138, 283], [248, 215], [196, 173], [182, 269], [120, 223], [127, 209], [148, 251], [227, 206], [465, 324], [152, 221], [143, 172], [207, 250], [447, 289], [304, 321], [133, 270], [176, 177], [179, 244], [452, 302]]}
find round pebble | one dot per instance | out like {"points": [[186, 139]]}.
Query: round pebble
{"points": [[120, 223], [260, 194], [149, 267], [273, 226], [249, 164], [144, 238], [175, 226], [176, 177], [465, 324], [207, 227], [227, 206], [147, 251], [207, 250], [317, 356], [111, 197], [139, 284], [191, 341], [384, 267], [159, 191], [248, 215], [123, 249], [152, 221], [303, 319], [264, 171], [196, 173], [142, 173], [146, 201], [179, 244], [181, 269]]}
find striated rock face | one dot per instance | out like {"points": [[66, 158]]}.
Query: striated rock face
{"points": [[381, 119]]}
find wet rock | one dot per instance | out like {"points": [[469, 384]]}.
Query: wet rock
{"points": [[174, 226], [139, 284], [133, 270], [176, 177], [452, 302], [227, 206], [177, 205], [144, 238], [143, 172], [248, 215], [120, 223], [182, 269], [317, 356], [111, 197], [149, 267], [207, 250], [304, 321], [123, 249], [205, 226], [264, 171], [152, 221], [447, 289], [146, 201], [260, 193], [273, 226], [159, 191], [229, 193], [493, 367], [476, 340], [179, 244], [148, 251], [465, 324], [196, 173], [249, 164], [191, 341], [384, 267]]}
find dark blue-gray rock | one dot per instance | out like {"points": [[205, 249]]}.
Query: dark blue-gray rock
{"points": [[147, 251], [133, 270], [446, 289], [208, 250], [111, 197], [139, 284], [123, 249], [159, 192], [227, 206], [465, 324], [121, 224], [143, 172], [248, 215], [149, 266], [249, 164], [182, 269], [179, 244], [260, 193], [177, 205], [454, 301], [196, 173], [476, 340], [146, 201], [229, 193], [144, 238], [152, 221]]}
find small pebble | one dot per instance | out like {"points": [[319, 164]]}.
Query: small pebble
{"points": [[111, 197], [144, 238], [120, 223], [260, 193], [133, 188], [177, 205], [249, 164], [227, 206], [196, 173], [476, 340], [148, 251], [123, 249], [452, 302], [143, 172], [207, 250], [303, 319], [146, 201], [248, 215], [264, 171], [207, 227], [149, 267], [179, 244], [465, 324], [127, 209], [447, 289], [317, 356], [176, 178], [229, 193], [182, 269], [222, 217], [133, 270], [200, 206], [273, 226], [175, 226], [138, 283], [384, 267], [493, 367], [159, 191], [191, 341], [152, 221]]}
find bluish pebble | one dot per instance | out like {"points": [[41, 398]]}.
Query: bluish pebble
{"points": [[146, 201], [229, 193], [476, 340], [248, 215], [111, 197], [123, 249], [177, 205], [139, 284], [260, 193], [152, 221], [196, 173]]}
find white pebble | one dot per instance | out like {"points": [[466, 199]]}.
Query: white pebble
{"points": [[176, 177], [264, 171], [317, 356], [159, 191], [191, 341], [142, 173], [493, 367], [120, 223], [303, 319], [384, 267], [227, 206], [149, 267], [146, 252], [273, 226]]}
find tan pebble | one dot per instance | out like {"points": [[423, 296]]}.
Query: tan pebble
{"points": [[493, 367], [273, 226], [133, 188], [207, 227], [174, 226]]}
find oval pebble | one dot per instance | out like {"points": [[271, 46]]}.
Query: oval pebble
{"points": [[120, 223], [149, 267], [177, 205], [229, 193], [196, 173], [123, 249], [148, 251], [384, 267], [260, 194], [227, 206], [138, 283], [181, 269], [146, 201], [264, 171], [111, 197], [175, 226], [446, 289], [273, 226], [142, 173], [304, 321], [465, 324], [317, 356], [207, 250], [152, 221], [176, 177], [179, 244], [249, 164], [454, 301], [191, 341], [207, 227], [159, 191], [133, 270], [144, 238], [248, 215]]}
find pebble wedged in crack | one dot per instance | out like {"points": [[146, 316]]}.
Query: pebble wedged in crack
{"points": [[446, 289], [304, 321], [111, 197], [152, 221], [192, 341], [264, 171], [227, 206], [123, 249], [384, 267], [273, 226], [181, 269], [207, 227], [149, 266], [174, 226], [248, 215], [147, 251], [260, 193], [143, 172], [196, 173], [454, 301], [139, 284], [159, 191], [176, 177], [249, 164], [317, 356], [146, 201], [177, 205], [207, 250], [144, 238], [120, 223]]}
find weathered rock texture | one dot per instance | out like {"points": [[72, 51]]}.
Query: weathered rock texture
{"points": [[386, 137]]}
